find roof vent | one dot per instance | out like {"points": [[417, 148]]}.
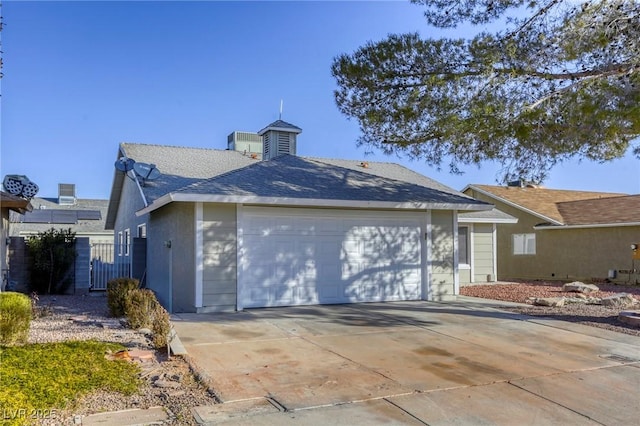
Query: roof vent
{"points": [[66, 194], [279, 138], [516, 183]]}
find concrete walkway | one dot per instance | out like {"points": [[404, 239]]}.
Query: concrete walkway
{"points": [[461, 362]]}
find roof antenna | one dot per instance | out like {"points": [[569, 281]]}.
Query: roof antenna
{"points": [[280, 116]]}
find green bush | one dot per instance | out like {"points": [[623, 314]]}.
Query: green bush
{"points": [[117, 292], [160, 326], [139, 308], [52, 256], [15, 318], [143, 310]]}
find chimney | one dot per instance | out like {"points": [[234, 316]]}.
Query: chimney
{"points": [[66, 194], [279, 138]]}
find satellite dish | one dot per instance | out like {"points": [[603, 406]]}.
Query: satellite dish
{"points": [[146, 171], [20, 185], [124, 164]]}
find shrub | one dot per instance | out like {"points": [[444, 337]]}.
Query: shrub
{"points": [[117, 292], [143, 310], [52, 256], [15, 318], [139, 307], [161, 326]]}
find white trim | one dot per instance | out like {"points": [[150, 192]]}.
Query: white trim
{"points": [[426, 286], [512, 204], [456, 265], [304, 202], [485, 220], [494, 241], [239, 256], [471, 241], [599, 225], [199, 255]]}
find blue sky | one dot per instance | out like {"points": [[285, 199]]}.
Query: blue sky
{"points": [[81, 77]]}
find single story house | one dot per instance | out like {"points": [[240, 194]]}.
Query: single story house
{"points": [[563, 234], [86, 217], [228, 230]]}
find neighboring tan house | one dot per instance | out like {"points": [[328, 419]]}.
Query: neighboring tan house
{"points": [[478, 245], [85, 217], [8, 203], [564, 235], [227, 231]]}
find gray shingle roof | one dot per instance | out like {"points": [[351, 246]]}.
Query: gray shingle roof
{"points": [[289, 176], [198, 171], [281, 124], [493, 215], [182, 166]]}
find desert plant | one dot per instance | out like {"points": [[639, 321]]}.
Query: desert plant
{"points": [[53, 254], [139, 308], [160, 326], [15, 318], [117, 292]]}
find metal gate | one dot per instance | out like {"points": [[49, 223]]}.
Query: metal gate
{"points": [[109, 261]]}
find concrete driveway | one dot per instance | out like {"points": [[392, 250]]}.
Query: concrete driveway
{"points": [[411, 363]]}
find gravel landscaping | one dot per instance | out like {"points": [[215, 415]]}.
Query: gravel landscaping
{"points": [[589, 314], [167, 382]]}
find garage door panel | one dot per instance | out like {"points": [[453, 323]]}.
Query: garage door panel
{"points": [[305, 256]]}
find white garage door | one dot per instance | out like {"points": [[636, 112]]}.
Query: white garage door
{"points": [[316, 256]]}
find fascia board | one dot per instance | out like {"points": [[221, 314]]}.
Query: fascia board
{"points": [[304, 202], [596, 225], [485, 220]]}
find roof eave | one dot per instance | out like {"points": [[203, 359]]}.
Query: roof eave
{"points": [[583, 226], [486, 220], [512, 204], [308, 202]]}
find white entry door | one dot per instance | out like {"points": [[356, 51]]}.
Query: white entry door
{"points": [[292, 256]]}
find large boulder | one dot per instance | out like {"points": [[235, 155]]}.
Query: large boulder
{"points": [[579, 287], [619, 300]]}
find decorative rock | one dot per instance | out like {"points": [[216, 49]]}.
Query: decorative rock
{"points": [[145, 331], [579, 287], [554, 302], [619, 300], [166, 384], [630, 317]]}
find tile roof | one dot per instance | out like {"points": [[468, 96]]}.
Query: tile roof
{"points": [[289, 176], [555, 204]]}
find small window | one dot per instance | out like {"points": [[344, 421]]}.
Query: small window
{"points": [[524, 244], [463, 245], [127, 241], [120, 241], [142, 231]]}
